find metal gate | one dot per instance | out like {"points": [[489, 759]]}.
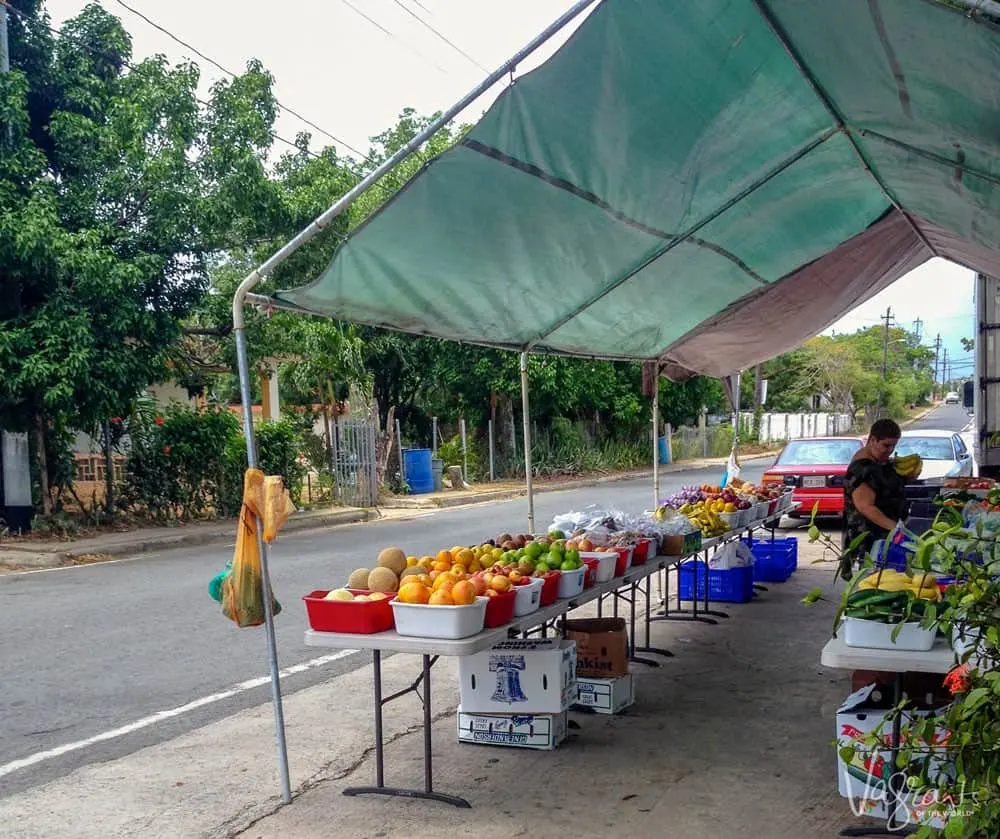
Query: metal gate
{"points": [[354, 462]]}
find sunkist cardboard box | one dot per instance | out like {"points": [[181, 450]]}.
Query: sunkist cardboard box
{"points": [[526, 731], [522, 677], [605, 696], [601, 647]]}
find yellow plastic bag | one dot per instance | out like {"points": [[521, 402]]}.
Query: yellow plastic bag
{"points": [[264, 499]]}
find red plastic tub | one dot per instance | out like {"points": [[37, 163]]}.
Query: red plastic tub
{"points": [[640, 552], [626, 557], [500, 609], [364, 618], [550, 588], [591, 576]]}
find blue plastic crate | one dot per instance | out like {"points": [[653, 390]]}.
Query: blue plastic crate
{"points": [[733, 585], [780, 554]]}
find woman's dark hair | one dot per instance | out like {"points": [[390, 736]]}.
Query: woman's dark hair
{"points": [[886, 429]]}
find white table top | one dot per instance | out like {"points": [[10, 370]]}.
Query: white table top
{"points": [[939, 659], [391, 641]]}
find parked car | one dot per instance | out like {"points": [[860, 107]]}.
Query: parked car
{"points": [[952, 398], [815, 467], [944, 453]]}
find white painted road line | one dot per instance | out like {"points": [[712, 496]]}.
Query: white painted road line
{"points": [[160, 716]]}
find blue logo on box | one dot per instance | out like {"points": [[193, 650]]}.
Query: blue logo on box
{"points": [[508, 669]]}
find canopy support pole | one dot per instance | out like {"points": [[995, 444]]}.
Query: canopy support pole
{"points": [[276, 259], [243, 362], [656, 437], [526, 418]]}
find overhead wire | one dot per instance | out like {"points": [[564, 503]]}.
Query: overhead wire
{"points": [[392, 35], [88, 47], [449, 42], [229, 72]]}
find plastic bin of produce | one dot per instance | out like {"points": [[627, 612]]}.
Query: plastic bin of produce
{"points": [[731, 520], [640, 552], [500, 609], [529, 597], [878, 636], [606, 564], [449, 622], [571, 582], [732, 585], [590, 575], [364, 617], [629, 555], [772, 506], [550, 588]]}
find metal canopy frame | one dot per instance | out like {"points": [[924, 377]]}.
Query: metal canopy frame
{"points": [[243, 296]]}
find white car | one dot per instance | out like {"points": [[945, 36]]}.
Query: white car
{"points": [[944, 453], [952, 398]]}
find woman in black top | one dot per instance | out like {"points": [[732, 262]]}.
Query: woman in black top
{"points": [[874, 494]]}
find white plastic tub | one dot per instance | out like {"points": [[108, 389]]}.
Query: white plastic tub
{"points": [[878, 636], [606, 566], [528, 598], [450, 622], [731, 520], [747, 516], [571, 582]]}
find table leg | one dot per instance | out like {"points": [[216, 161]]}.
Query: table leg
{"points": [[425, 698], [631, 631], [646, 648], [689, 615], [707, 610]]}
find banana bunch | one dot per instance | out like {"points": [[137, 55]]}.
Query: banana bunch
{"points": [[922, 586], [706, 520], [909, 466]]}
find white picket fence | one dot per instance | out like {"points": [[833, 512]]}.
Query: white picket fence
{"points": [[778, 427]]}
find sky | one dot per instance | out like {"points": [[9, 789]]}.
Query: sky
{"points": [[351, 66]]}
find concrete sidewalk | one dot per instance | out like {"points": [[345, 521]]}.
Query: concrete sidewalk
{"points": [[732, 737], [18, 554]]}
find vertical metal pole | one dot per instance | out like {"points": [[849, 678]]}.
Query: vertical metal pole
{"points": [[428, 751], [399, 445], [5, 60], [465, 449], [656, 437], [526, 418], [737, 381], [243, 364], [434, 435], [492, 471]]}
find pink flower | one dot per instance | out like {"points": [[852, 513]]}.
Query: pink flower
{"points": [[159, 420]]}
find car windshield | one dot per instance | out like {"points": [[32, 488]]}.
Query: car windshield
{"points": [[929, 448], [818, 452]]}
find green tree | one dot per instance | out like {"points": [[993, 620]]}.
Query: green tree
{"points": [[117, 189]]}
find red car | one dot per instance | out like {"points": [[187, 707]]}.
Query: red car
{"points": [[815, 467]]}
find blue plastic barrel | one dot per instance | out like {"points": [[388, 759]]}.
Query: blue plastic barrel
{"points": [[662, 450], [420, 477]]}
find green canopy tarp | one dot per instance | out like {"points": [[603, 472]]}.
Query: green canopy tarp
{"points": [[705, 183]]}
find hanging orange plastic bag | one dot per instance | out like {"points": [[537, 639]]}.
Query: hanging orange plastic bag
{"points": [[265, 500]]}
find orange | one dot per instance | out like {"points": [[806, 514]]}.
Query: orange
{"points": [[500, 583], [441, 565], [465, 556], [458, 571], [441, 597], [455, 551], [443, 581], [411, 561], [413, 593], [424, 578], [426, 562], [475, 566], [444, 556], [463, 593]]}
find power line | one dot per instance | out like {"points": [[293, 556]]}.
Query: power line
{"points": [[450, 43], [225, 70], [88, 48], [422, 6], [392, 35]]}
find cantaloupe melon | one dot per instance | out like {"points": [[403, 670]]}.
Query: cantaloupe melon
{"points": [[359, 578], [383, 579], [394, 559]]}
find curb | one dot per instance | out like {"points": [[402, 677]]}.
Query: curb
{"points": [[48, 556]]}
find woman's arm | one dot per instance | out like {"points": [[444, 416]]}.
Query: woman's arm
{"points": [[864, 501]]}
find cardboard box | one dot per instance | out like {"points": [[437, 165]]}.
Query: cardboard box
{"points": [[530, 676], [525, 731], [676, 545], [605, 696], [601, 647], [865, 779]]}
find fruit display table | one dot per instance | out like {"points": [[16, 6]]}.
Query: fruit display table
{"points": [[430, 649], [939, 659]]}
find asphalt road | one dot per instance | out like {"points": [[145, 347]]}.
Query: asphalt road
{"points": [[944, 418], [93, 649]]}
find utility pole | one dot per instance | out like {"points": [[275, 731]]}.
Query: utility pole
{"points": [[757, 391], [937, 356], [887, 318], [918, 326], [945, 377]]}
